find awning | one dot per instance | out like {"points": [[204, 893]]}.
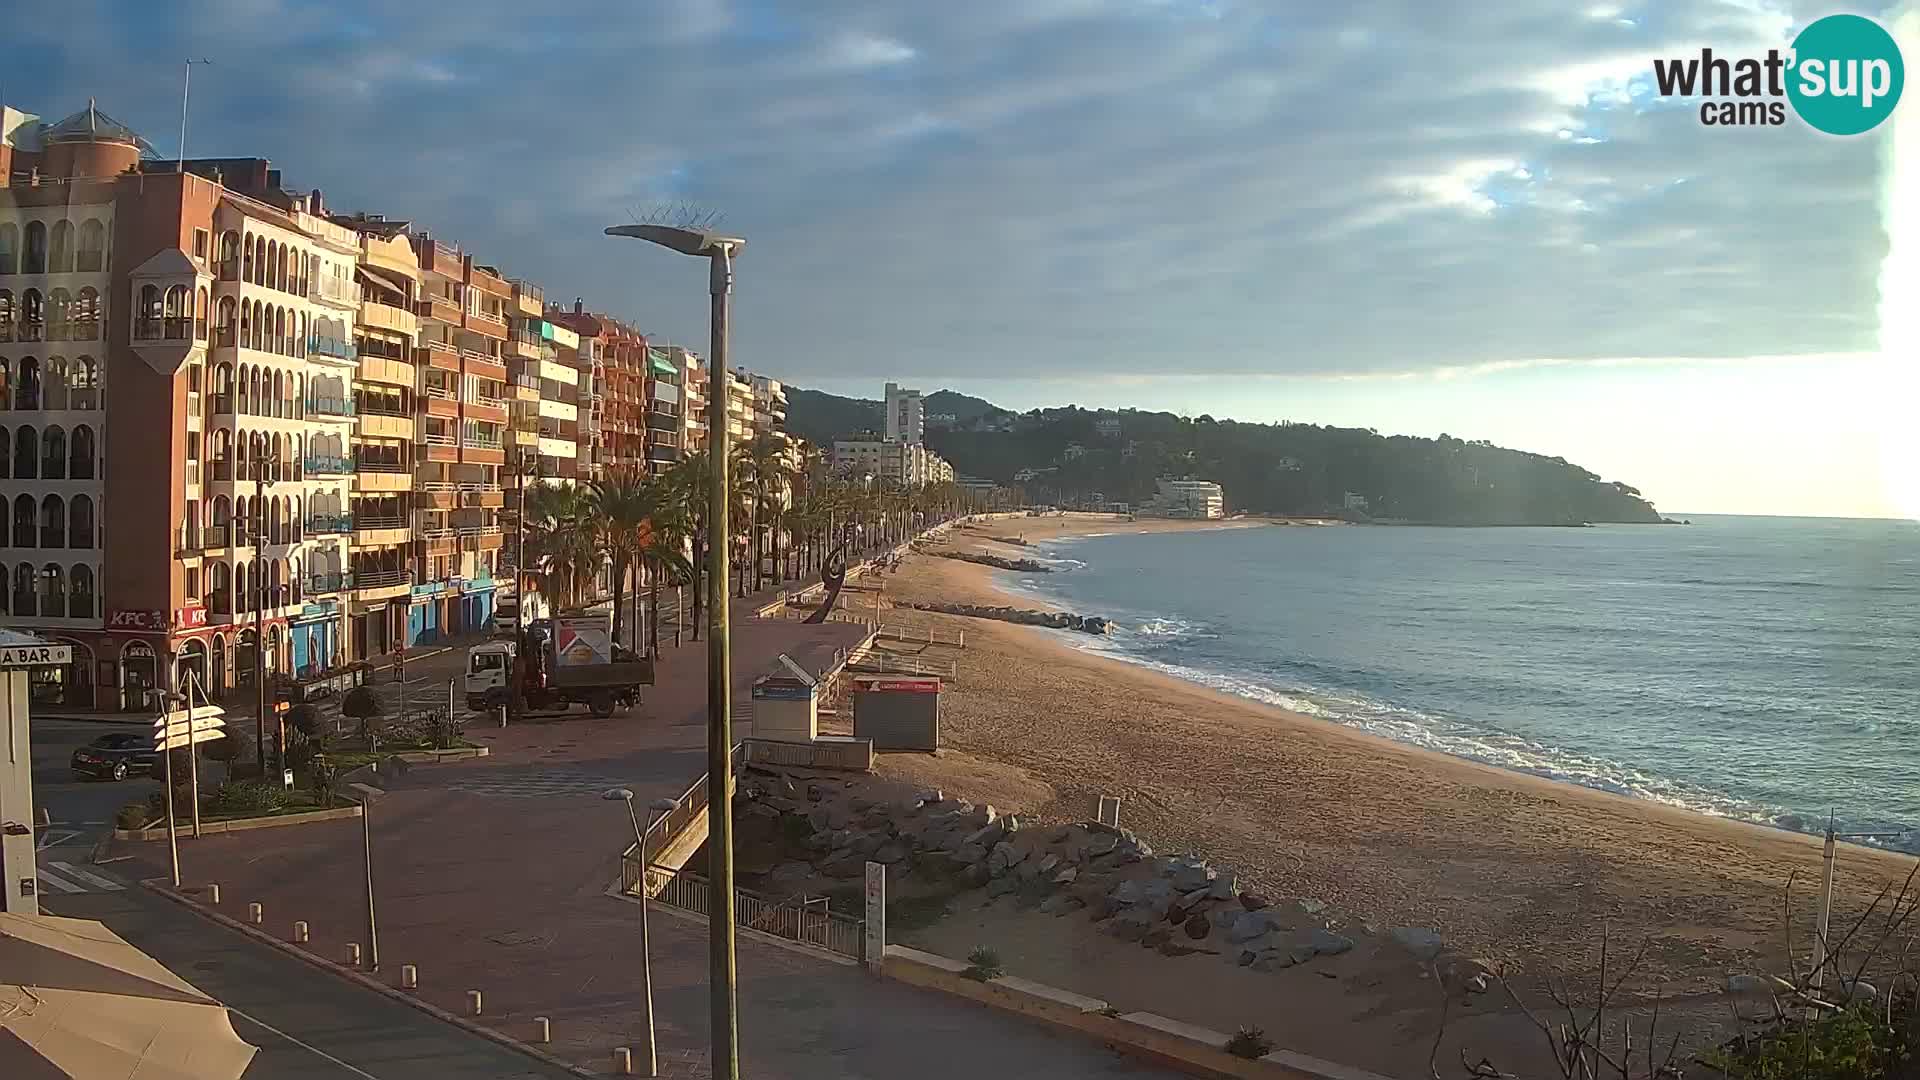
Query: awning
{"points": [[657, 359], [387, 278], [77, 1001]]}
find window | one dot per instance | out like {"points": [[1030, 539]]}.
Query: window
{"points": [[82, 457], [34, 253], [61, 258], [28, 396], [80, 534], [6, 315], [84, 325], [26, 453], [200, 238], [93, 248], [193, 581], [80, 603], [9, 248], [53, 590], [53, 522], [33, 316], [53, 453], [24, 591], [146, 319]]}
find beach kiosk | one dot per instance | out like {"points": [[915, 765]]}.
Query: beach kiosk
{"points": [[786, 706], [897, 712]]}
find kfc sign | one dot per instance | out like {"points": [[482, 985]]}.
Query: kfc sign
{"points": [[190, 618], [154, 621]]}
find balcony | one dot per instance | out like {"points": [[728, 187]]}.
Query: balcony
{"points": [[438, 308], [481, 365], [321, 405], [143, 330], [528, 299], [329, 523], [365, 522], [375, 465], [492, 326], [435, 438], [327, 465], [392, 317], [662, 421], [439, 354], [331, 348], [663, 452], [391, 582], [220, 471], [486, 281], [322, 584], [384, 370]]}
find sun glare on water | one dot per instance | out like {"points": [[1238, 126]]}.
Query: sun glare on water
{"points": [[1900, 290]]}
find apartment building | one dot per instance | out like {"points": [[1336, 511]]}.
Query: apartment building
{"points": [[1185, 499], [381, 515], [217, 307], [460, 443], [895, 464], [906, 415]]}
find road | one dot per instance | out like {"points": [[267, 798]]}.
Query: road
{"points": [[309, 1025]]}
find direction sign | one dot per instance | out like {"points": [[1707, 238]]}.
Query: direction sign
{"points": [[177, 739], [12, 656], [176, 728]]}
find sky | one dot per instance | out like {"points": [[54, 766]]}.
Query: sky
{"points": [[1406, 215]]}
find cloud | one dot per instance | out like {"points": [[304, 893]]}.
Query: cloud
{"points": [[1090, 188]]}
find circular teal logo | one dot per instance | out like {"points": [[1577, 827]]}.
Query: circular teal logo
{"points": [[1847, 74]]}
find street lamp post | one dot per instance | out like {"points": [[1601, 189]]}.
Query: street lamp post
{"points": [[657, 806], [367, 794], [719, 252], [260, 467]]}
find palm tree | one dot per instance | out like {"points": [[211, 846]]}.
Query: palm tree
{"points": [[688, 485], [622, 508], [764, 466], [561, 544]]}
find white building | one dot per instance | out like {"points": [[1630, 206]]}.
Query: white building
{"points": [[1355, 501], [1186, 499], [906, 415], [899, 464]]}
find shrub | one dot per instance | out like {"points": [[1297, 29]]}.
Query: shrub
{"points": [[249, 796], [1250, 1042], [236, 748], [983, 964], [305, 719], [137, 814], [1850, 1044]]}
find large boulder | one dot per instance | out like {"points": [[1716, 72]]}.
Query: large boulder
{"points": [[1424, 944], [1129, 892], [970, 854], [1191, 875], [889, 853], [1251, 924], [1197, 927], [1304, 945], [1004, 857]]}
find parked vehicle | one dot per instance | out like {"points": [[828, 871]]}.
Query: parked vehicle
{"points": [[115, 757], [507, 613], [554, 663]]}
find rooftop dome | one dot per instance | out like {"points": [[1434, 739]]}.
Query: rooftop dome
{"points": [[92, 125]]}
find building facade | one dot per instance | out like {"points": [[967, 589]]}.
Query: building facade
{"points": [[894, 464], [906, 415], [1185, 499]]}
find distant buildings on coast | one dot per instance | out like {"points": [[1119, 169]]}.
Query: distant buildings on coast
{"points": [[1185, 499], [898, 457]]}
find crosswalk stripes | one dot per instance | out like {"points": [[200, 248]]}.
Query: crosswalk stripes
{"points": [[68, 878]]}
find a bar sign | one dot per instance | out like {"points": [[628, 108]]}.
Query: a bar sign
{"points": [[35, 655]]}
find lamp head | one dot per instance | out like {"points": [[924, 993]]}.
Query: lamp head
{"points": [[684, 241], [618, 794]]}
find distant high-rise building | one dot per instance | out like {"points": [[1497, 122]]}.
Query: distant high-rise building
{"points": [[906, 415]]}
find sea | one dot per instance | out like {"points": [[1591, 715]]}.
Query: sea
{"points": [[1759, 668]]}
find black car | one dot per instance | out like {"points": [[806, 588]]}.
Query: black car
{"points": [[115, 757]]}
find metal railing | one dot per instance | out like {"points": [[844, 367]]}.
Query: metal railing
{"points": [[807, 920], [886, 663], [330, 346], [362, 522], [329, 406], [327, 465], [329, 583], [444, 393], [924, 634], [436, 439], [851, 754], [489, 401], [368, 465], [329, 523], [379, 579]]}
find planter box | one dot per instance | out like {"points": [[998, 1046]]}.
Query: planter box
{"points": [[210, 828], [428, 757]]}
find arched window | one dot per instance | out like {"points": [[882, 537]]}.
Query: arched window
{"points": [[59, 314], [222, 516], [83, 381], [242, 587], [26, 453], [54, 383], [146, 316], [257, 259], [80, 534], [200, 312], [223, 326], [60, 258], [280, 330], [26, 521], [229, 256], [93, 247], [33, 316], [179, 313], [53, 522], [6, 391], [287, 273], [83, 453], [34, 254], [9, 248], [242, 527], [303, 334], [85, 323], [25, 590], [260, 327], [6, 314], [6, 458], [80, 602], [53, 453], [273, 265], [53, 590], [28, 392]]}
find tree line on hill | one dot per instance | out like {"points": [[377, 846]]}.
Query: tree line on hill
{"points": [[1290, 469]]}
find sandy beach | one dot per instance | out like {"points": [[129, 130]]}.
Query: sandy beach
{"points": [[1519, 870]]}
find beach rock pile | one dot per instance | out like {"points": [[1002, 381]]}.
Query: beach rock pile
{"points": [[1177, 905], [1058, 620], [1024, 565]]}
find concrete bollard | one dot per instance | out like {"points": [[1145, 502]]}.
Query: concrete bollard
{"points": [[409, 977], [622, 1061], [542, 1030], [213, 894], [254, 914], [300, 932], [353, 954], [473, 1003]]}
